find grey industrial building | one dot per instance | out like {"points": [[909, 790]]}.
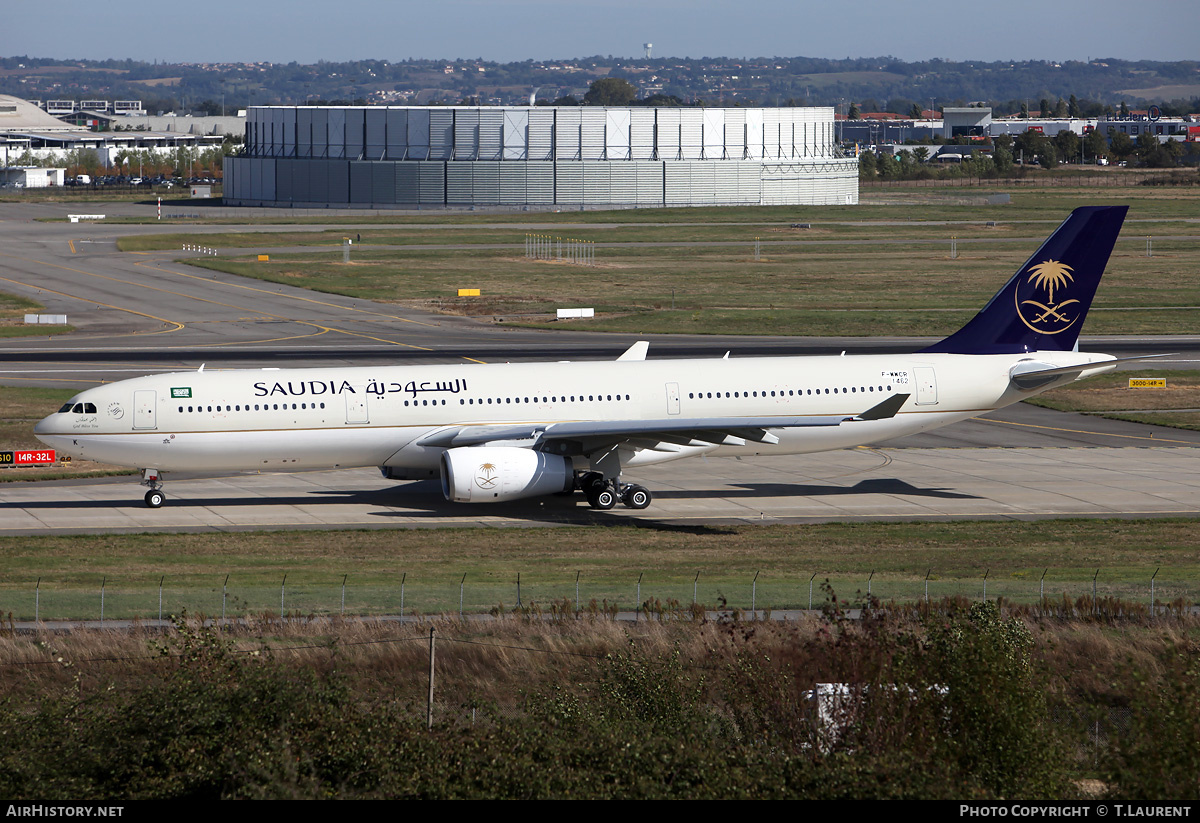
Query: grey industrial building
{"points": [[544, 156]]}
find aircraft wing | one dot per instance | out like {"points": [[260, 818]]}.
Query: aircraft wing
{"points": [[676, 431]]}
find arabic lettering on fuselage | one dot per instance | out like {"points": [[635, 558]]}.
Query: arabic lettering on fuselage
{"points": [[376, 387]]}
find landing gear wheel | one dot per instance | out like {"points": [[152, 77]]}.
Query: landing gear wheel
{"points": [[636, 497], [604, 499], [155, 498]]}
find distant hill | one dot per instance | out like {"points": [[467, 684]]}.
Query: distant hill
{"points": [[875, 84]]}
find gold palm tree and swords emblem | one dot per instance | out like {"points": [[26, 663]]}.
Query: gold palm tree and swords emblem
{"points": [[486, 476], [1048, 317]]}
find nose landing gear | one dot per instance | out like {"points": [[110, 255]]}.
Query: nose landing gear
{"points": [[155, 497]]}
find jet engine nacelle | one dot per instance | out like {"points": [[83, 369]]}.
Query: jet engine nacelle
{"points": [[491, 474]]}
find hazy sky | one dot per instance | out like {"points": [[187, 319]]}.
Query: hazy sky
{"points": [[310, 30]]}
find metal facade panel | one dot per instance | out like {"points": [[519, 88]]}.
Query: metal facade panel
{"points": [[540, 141], [318, 181], [397, 133], [516, 130], [460, 188], [622, 185], [485, 183], [269, 189], [704, 183], [735, 134], [539, 183], [713, 145], [770, 133], [433, 182], [592, 133], [596, 183], [754, 133], [360, 181], [667, 133], [337, 133], [677, 183], [649, 183], [690, 137], [512, 183], [286, 120], [339, 181], [441, 134], [383, 182], [616, 134], [285, 181], [254, 179], [491, 134], [408, 183], [418, 135], [466, 134], [725, 184], [304, 132], [300, 171], [568, 182], [320, 132], [567, 124], [376, 131], [641, 134], [355, 133]]}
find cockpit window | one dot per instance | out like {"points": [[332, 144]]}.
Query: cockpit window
{"points": [[89, 408], [78, 408], [66, 408]]}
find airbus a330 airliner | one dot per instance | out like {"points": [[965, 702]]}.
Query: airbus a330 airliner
{"points": [[499, 432]]}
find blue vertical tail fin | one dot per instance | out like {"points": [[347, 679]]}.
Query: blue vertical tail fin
{"points": [[1043, 306]]}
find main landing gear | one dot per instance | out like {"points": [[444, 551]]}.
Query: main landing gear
{"points": [[155, 497], [603, 494]]}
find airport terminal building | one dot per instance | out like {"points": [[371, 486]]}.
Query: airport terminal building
{"points": [[543, 156]]}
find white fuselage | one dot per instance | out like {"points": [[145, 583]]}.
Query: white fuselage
{"points": [[348, 417]]}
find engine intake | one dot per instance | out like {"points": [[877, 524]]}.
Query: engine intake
{"points": [[492, 474]]}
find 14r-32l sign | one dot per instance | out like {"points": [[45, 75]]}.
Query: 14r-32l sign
{"points": [[28, 457]]}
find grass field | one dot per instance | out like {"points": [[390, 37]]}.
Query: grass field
{"points": [[859, 270], [718, 563]]}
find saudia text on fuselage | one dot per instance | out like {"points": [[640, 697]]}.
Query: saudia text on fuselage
{"points": [[378, 388]]}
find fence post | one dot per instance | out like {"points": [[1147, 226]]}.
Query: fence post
{"points": [[754, 593], [344, 594], [1152, 591], [518, 588], [810, 580], [695, 587], [638, 602], [461, 585], [429, 702], [282, 589], [403, 577], [224, 594], [985, 577], [103, 583], [1095, 603], [160, 582], [927, 571], [37, 601], [577, 592]]}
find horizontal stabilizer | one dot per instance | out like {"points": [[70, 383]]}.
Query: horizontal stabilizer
{"points": [[1030, 374]]}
